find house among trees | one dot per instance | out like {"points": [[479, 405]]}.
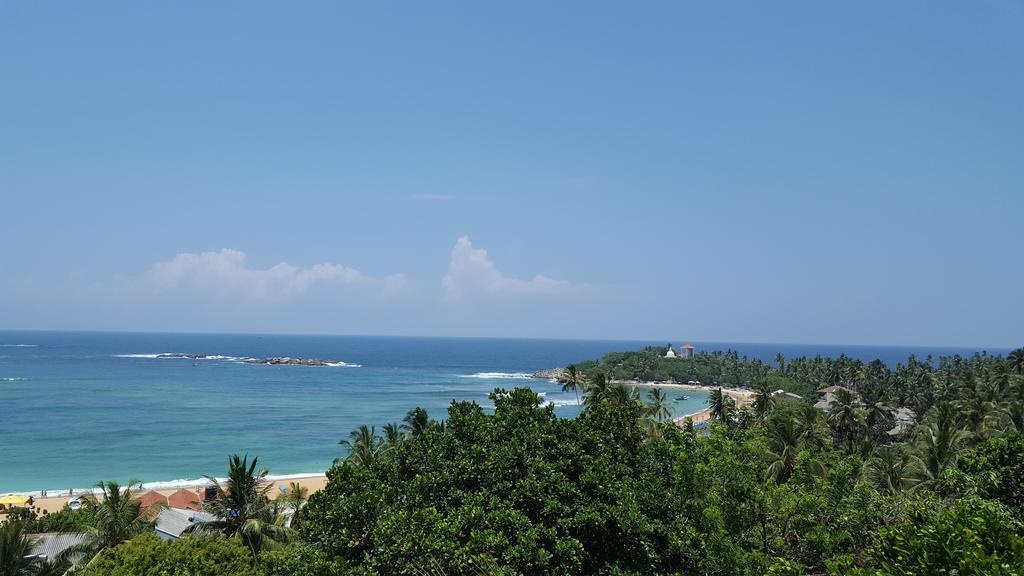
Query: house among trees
{"points": [[828, 397]]}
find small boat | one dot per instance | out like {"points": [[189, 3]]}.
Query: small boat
{"points": [[681, 398]]}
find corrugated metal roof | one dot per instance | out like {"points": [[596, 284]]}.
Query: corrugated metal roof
{"points": [[173, 521], [50, 544]]}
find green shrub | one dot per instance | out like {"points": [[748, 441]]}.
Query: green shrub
{"points": [[147, 555]]}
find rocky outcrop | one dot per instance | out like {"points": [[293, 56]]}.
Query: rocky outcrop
{"points": [[554, 373], [286, 361]]}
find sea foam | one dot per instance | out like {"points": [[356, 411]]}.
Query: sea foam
{"points": [[19, 345], [500, 375]]}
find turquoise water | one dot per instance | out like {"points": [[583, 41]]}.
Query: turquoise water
{"points": [[78, 408]]}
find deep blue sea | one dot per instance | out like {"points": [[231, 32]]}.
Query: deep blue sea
{"points": [[79, 407]]}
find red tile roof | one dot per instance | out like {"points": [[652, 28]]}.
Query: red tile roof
{"points": [[185, 499], [689, 346], [152, 497], [148, 502]]}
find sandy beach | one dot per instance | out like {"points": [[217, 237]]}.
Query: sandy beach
{"points": [[55, 501], [742, 396]]}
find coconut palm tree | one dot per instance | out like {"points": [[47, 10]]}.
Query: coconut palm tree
{"points": [[721, 405], [1015, 359], [572, 379], [983, 410], [811, 424], [242, 509], [659, 407], [891, 470], [295, 498], [878, 416], [940, 441], [114, 517], [392, 434], [363, 446], [846, 417], [764, 399], [417, 422], [780, 361], [622, 394], [15, 554], [596, 389], [784, 444]]}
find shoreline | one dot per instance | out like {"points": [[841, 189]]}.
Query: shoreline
{"points": [[742, 396], [55, 500]]}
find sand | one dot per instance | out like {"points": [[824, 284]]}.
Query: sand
{"points": [[55, 502], [742, 396]]}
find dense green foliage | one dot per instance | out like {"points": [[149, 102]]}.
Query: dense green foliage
{"points": [[64, 520], [147, 555], [776, 487]]}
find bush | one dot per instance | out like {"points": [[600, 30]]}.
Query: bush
{"points": [[974, 537], [147, 555]]}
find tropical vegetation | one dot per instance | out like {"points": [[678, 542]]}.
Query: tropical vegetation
{"points": [[912, 470]]}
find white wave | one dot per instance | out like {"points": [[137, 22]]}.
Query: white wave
{"points": [[170, 484], [180, 356], [19, 345], [344, 365], [499, 375], [13, 379], [561, 402]]}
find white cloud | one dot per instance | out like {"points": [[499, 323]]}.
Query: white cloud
{"points": [[226, 273], [471, 271]]}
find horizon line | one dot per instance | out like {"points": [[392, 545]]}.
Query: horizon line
{"points": [[647, 341]]}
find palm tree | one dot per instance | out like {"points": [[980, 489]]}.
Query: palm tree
{"points": [[572, 379], [721, 405], [1016, 361], [392, 434], [242, 509], [660, 407], [596, 389], [295, 498], [363, 446], [622, 394], [846, 417], [892, 471], [780, 361], [764, 399], [15, 552], [417, 422], [878, 416], [810, 423], [983, 409], [784, 445], [115, 518], [940, 441]]}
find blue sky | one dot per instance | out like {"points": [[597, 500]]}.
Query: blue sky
{"points": [[728, 171]]}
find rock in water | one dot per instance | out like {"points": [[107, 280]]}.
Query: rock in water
{"points": [[554, 373], [284, 360]]}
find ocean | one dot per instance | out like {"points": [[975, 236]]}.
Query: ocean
{"points": [[78, 407]]}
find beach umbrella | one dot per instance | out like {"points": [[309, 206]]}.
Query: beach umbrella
{"points": [[13, 499]]}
